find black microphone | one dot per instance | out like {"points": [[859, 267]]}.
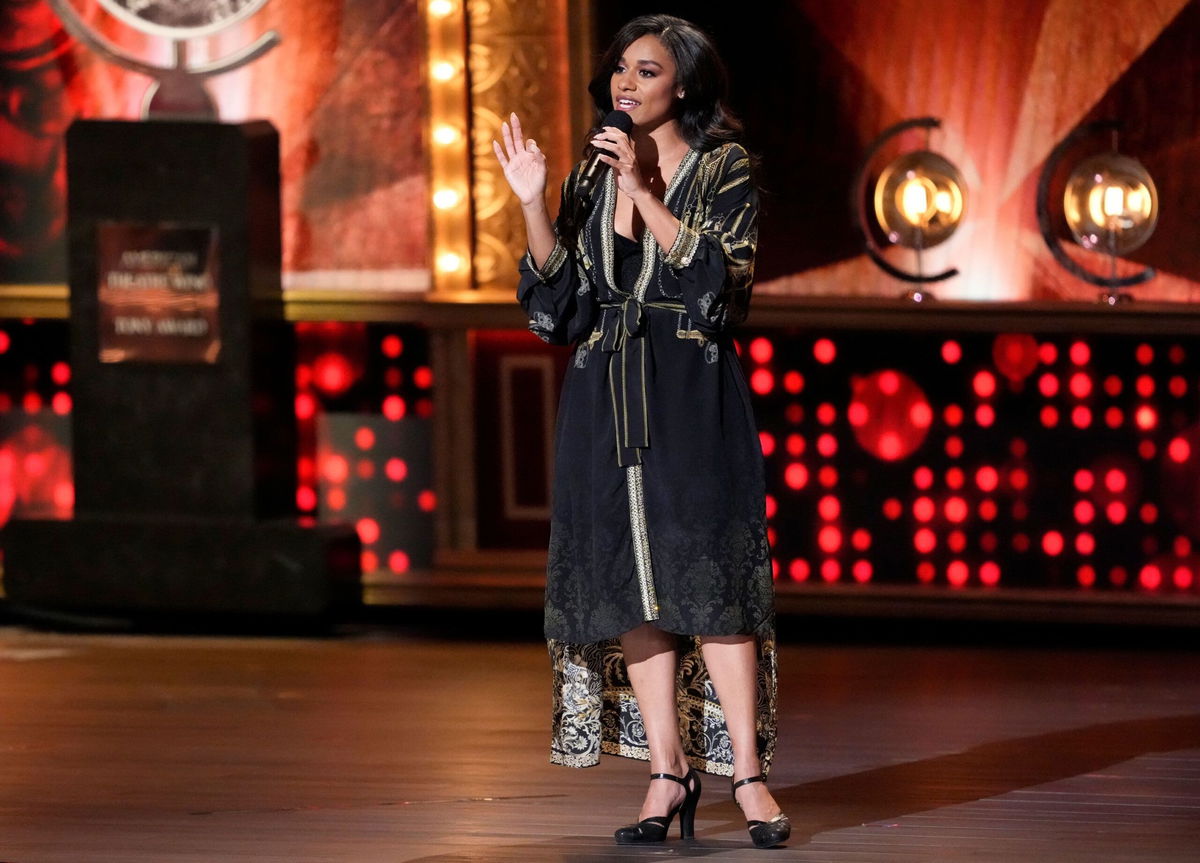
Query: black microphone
{"points": [[594, 169]]}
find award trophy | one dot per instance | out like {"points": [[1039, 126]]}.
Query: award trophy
{"points": [[183, 423]]}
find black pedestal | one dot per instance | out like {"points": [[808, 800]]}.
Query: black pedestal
{"points": [[184, 433]]}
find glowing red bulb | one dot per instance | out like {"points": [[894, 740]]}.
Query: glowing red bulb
{"points": [[1081, 417], [827, 476], [921, 415], [1049, 416], [1052, 543], [956, 510], [761, 350], [889, 382], [860, 539], [1080, 353], [826, 414], [857, 414], [1150, 577], [368, 530], [394, 408], [335, 468], [924, 540], [824, 351], [984, 384], [1113, 417], [829, 508], [989, 573], [793, 382], [398, 562], [396, 469], [1144, 354], [1146, 418], [1048, 385], [957, 573], [1086, 576], [1018, 478], [61, 404], [954, 446], [1115, 481], [364, 438], [890, 446], [762, 381], [392, 346], [427, 501], [923, 509], [1047, 353], [1145, 386], [951, 352], [1081, 385], [953, 415], [1117, 512], [1182, 577], [827, 445], [1085, 544], [987, 478], [799, 570], [766, 441], [1084, 480], [923, 478], [956, 541], [988, 510], [892, 509], [925, 572], [862, 571], [831, 571], [796, 476], [1085, 513], [369, 561], [795, 444], [423, 377]]}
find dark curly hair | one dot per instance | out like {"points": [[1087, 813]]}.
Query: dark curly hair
{"points": [[705, 121]]}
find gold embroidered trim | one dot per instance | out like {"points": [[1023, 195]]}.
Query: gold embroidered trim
{"points": [[596, 336], [548, 270], [692, 334], [641, 541], [683, 249]]}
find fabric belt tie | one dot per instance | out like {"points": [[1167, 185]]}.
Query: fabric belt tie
{"points": [[625, 343]]}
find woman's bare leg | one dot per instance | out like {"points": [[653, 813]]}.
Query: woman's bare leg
{"points": [[732, 662], [651, 659]]}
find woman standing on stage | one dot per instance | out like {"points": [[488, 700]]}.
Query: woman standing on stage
{"points": [[659, 596]]}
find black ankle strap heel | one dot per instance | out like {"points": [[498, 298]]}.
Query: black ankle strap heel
{"points": [[764, 834], [655, 829]]}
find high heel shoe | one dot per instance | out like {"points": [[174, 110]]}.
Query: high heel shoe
{"points": [[655, 829], [764, 834]]}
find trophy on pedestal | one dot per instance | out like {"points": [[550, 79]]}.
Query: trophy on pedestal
{"points": [[183, 423]]}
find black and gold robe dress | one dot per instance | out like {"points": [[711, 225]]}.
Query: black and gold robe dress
{"points": [[658, 511]]}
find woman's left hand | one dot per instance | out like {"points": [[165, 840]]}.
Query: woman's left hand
{"points": [[619, 153]]}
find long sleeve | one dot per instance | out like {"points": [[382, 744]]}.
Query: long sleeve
{"points": [[713, 254], [558, 296]]}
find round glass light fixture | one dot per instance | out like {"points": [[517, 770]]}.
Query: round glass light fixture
{"points": [[920, 198], [1111, 204]]}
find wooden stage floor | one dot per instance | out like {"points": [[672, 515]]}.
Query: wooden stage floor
{"points": [[377, 745]]}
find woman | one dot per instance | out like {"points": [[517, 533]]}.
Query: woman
{"points": [[658, 527]]}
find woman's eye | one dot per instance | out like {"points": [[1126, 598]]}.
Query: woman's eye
{"points": [[646, 73]]}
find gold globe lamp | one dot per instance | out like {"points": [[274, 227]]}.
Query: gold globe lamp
{"points": [[1110, 206], [918, 201]]}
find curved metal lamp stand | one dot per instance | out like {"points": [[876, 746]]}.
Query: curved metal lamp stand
{"points": [[1047, 230], [173, 85], [858, 205]]}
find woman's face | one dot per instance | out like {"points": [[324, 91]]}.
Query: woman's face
{"points": [[643, 83]]}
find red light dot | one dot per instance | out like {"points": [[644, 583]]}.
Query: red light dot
{"points": [[1182, 577], [984, 385], [1081, 417], [368, 530], [921, 415], [61, 404], [1081, 385], [332, 373], [1177, 354], [306, 498], [953, 415], [423, 377], [1084, 512], [60, 373], [306, 406], [1047, 353], [1117, 512], [892, 509], [365, 468], [364, 438], [1146, 418], [1113, 385], [335, 468], [988, 510], [824, 351], [1182, 546], [989, 573], [793, 382], [889, 383], [761, 350], [925, 572], [924, 540], [1150, 577], [5, 342], [955, 477], [1018, 478], [1086, 576], [799, 570], [766, 440], [370, 561], [762, 381], [890, 446], [392, 346], [860, 539], [1080, 353], [924, 509], [862, 571], [427, 501], [1148, 513], [64, 496], [951, 352], [770, 506], [336, 499], [1145, 386], [1115, 480], [796, 475], [1118, 576], [1048, 385], [831, 571], [923, 478], [1178, 387], [1113, 417], [827, 477], [1146, 449], [957, 573], [985, 415], [1144, 354], [956, 510], [829, 508], [1084, 480], [1052, 543], [31, 403], [954, 447], [794, 414], [956, 541], [1085, 544], [795, 444], [1049, 416], [394, 408], [827, 445], [398, 562], [826, 414], [774, 569], [987, 478]]}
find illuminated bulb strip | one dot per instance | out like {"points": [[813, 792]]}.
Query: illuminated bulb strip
{"points": [[449, 154]]}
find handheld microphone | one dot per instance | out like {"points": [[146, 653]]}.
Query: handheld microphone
{"points": [[594, 169]]}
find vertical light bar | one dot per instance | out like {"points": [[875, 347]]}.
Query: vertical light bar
{"points": [[449, 145]]}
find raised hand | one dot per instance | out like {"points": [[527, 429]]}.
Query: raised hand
{"points": [[523, 162]]}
